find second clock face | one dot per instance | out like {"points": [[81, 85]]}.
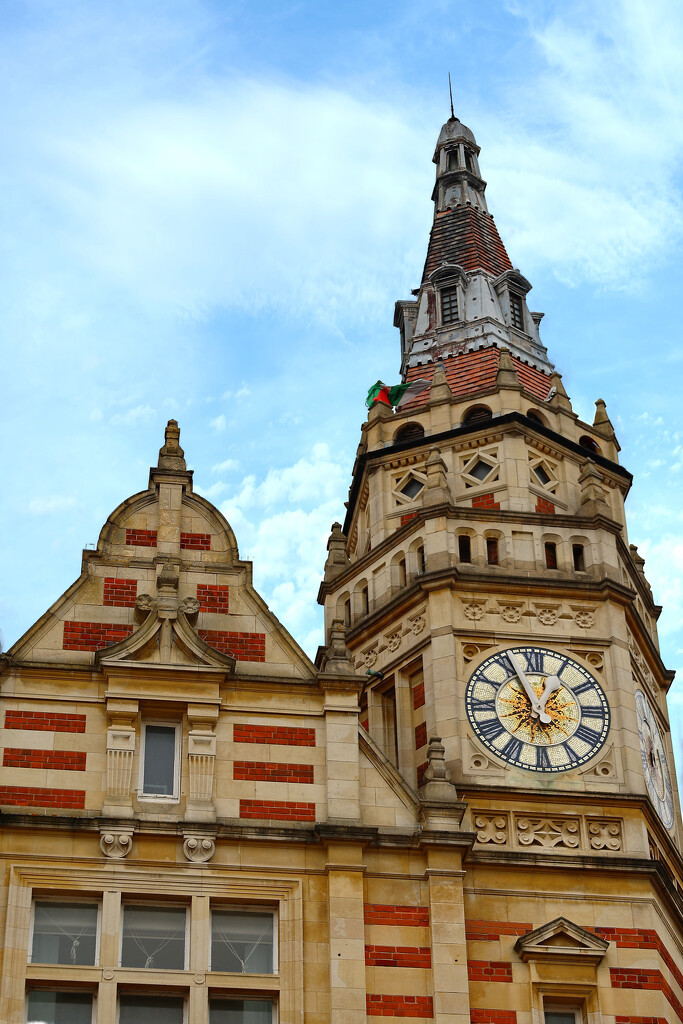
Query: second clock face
{"points": [[537, 709]]}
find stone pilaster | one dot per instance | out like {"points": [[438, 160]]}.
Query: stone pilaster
{"points": [[122, 715], [201, 757]]}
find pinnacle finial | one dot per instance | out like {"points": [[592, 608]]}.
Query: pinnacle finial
{"points": [[171, 456], [450, 90]]}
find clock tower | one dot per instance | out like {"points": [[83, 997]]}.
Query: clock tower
{"points": [[492, 598]]}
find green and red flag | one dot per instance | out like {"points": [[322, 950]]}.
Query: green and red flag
{"points": [[397, 395]]}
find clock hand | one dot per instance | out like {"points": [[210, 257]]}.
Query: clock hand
{"points": [[536, 709], [552, 683]]}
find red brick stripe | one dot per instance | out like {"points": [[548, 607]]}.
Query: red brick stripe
{"points": [[485, 931], [93, 636], [44, 721], [485, 501], [632, 977], [67, 760], [120, 593], [196, 541], [393, 914], [489, 970], [640, 1020], [407, 516], [399, 1006], [421, 769], [142, 538], [418, 696], [35, 796], [277, 810], [420, 735], [547, 507], [265, 771], [398, 956], [242, 646], [642, 938], [478, 1016], [282, 735], [213, 598]]}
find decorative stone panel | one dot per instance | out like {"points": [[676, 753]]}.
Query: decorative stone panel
{"points": [[582, 833]]}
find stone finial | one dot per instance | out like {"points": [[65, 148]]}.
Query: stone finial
{"points": [[337, 559], [439, 390], [602, 422], [338, 657], [436, 491], [559, 399], [171, 456], [437, 778], [593, 497], [506, 377], [639, 563]]}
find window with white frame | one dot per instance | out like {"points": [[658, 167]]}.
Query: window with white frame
{"points": [[64, 933], [229, 1010], [243, 941], [154, 937], [160, 761], [50, 1006], [137, 1008]]}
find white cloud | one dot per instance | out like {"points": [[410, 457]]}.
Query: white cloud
{"points": [[132, 417], [218, 424], [55, 503], [225, 466]]}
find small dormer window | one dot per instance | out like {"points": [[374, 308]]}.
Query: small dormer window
{"points": [[449, 305], [516, 311]]}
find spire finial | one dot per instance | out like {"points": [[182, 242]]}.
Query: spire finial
{"points": [[450, 90], [171, 455]]}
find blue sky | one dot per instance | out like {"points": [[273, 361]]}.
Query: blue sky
{"points": [[209, 208]]}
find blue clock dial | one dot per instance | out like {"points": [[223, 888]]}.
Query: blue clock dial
{"points": [[653, 755], [537, 709]]}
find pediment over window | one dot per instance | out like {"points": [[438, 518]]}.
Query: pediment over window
{"points": [[561, 941]]}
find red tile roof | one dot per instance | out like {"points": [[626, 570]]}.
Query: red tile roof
{"points": [[469, 238], [476, 371]]}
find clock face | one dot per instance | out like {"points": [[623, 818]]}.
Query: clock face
{"points": [[653, 755], [537, 709]]}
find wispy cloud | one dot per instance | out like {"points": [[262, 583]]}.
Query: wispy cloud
{"points": [[54, 503], [132, 417]]}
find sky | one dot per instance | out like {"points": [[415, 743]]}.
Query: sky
{"points": [[209, 208]]}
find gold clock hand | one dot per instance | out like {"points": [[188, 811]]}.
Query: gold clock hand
{"points": [[536, 709]]}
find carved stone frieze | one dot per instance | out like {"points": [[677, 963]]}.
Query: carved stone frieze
{"points": [[491, 828], [604, 835], [549, 832], [116, 841], [584, 619], [581, 833], [394, 641], [199, 847], [511, 613], [474, 610]]}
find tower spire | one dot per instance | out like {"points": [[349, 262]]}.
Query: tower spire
{"points": [[450, 90]]}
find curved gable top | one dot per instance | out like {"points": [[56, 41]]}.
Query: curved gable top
{"points": [[170, 552]]}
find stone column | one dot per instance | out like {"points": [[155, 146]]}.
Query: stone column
{"points": [[200, 951], [347, 933], [201, 756], [341, 688], [447, 923], [121, 715]]}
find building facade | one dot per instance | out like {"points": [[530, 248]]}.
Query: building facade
{"points": [[465, 811]]}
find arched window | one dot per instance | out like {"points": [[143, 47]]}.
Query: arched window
{"points": [[492, 550], [464, 548], [532, 414], [550, 554], [589, 443], [453, 161], [578, 558], [477, 414], [409, 431], [421, 564]]}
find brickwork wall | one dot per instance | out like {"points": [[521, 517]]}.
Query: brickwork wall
{"points": [[242, 646], [44, 721], [195, 541], [485, 501], [545, 506], [142, 538], [485, 931], [277, 810], [478, 1016], [418, 695], [420, 735], [407, 516], [120, 593], [213, 598], [264, 771], [398, 956], [391, 914], [399, 1006], [93, 636], [65, 760], [288, 736], [36, 796], [489, 970]]}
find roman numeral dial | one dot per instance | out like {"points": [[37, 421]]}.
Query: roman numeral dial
{"points": [[537, 709], [653, 755]]}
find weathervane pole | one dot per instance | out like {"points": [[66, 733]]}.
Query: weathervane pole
{"points": [[450, 90]]}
